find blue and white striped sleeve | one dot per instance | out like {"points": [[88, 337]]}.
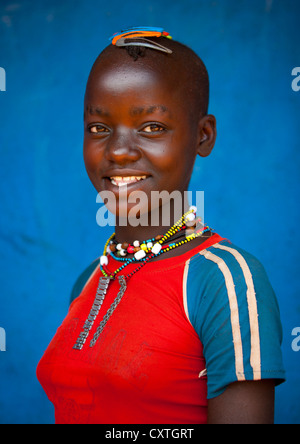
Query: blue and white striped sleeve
{"points": [[232, 306]]}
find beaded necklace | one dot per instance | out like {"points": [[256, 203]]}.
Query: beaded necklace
{"points": [[157, 249], [141, 249], [119, 255]]}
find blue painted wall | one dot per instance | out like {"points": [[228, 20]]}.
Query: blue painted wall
{"points": [[48, 231]]}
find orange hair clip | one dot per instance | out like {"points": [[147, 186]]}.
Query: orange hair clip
{"points": [[140, 36]]}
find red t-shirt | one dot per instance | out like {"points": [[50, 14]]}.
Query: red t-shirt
{"points": [[145, 366]]}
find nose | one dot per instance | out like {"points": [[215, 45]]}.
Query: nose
{"points": [[121, 148]]}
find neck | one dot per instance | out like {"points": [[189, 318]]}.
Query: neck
{"points": [[149, 225]]}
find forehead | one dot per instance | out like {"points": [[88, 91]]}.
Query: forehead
{"points": [[118, 70], [155, 78], [132, 88], [114, 78]]}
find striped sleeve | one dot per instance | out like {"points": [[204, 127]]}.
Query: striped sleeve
{"points": [[230, 303]]}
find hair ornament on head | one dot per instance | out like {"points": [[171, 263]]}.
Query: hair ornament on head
{"points": [[139, 37]]}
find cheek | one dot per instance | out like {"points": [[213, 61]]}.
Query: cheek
{"points": [[92, 156], [174, 163], [93, 159]]}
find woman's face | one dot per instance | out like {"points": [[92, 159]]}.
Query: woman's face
{"points": [[138, 131]]}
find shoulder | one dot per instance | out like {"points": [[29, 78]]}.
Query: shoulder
{"points": [[221, 273], [83, 279], [232, 306], [226, 258], [225, 265]]}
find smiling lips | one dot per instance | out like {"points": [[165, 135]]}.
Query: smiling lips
{"points": [[121, 181]]}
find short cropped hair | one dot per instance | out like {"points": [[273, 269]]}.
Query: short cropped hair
{"points": [[185, 63]]}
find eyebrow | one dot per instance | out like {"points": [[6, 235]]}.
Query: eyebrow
{"points": [[140, 110], [90, 109], [134, 111]]}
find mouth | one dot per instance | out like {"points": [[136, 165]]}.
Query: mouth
{"points": [[121, 181]]}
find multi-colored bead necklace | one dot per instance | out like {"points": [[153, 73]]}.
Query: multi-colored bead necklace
{"points": [[119, 256], [155, 250], [119, 251], [145, 260]]}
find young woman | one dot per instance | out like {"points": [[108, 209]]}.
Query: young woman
{"points": [[173, 324]]}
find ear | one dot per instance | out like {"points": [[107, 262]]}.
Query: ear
{"points": [[207, 134]]}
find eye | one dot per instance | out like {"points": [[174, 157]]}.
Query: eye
{"points": [[153, 128], [97, 129]]}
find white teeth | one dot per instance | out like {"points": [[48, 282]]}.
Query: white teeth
{"points": [[122, 181]]}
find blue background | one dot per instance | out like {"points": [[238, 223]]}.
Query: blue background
{"points": [[48, 231]]}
